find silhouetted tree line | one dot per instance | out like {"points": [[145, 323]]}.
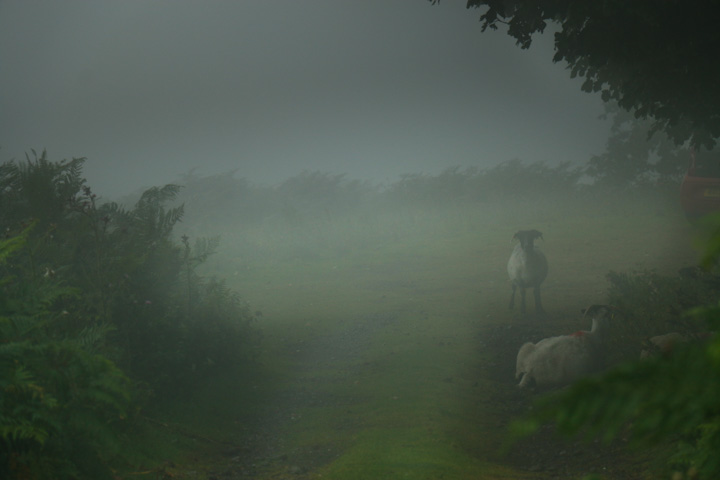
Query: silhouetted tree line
{"points": [[630, 164]]}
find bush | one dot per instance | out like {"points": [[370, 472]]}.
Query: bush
{"points": [[653, 304], [61, 404], [90, 293]]}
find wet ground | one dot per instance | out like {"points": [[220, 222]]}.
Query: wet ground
{"points": [[262, 450]]}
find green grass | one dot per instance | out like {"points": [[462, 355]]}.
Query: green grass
{"points": [[411, 401], [407, 452]]}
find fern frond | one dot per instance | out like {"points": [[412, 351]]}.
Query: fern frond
{"points": [[10, 245], [93, 336], [204, 247], [14, 432], [156, 196]]}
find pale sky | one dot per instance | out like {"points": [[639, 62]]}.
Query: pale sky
{"points": [[148, 90]]}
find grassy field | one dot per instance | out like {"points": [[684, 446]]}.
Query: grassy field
{"points": [[378, 358]]}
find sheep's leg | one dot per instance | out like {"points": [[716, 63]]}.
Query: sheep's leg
{"points": [[512, 296], [538, 302], [522, 300], [526, 380]]}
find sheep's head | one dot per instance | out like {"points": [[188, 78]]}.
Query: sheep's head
{"points": [[600, 311], [600, 315], [526, 238]]}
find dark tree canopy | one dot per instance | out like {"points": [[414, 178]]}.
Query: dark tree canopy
{"points": [[659, 59]]}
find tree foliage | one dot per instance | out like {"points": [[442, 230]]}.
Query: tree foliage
{"points": [[653, 58], [635, 158]]}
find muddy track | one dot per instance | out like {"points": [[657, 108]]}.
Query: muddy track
{"points": [[262, 452]]}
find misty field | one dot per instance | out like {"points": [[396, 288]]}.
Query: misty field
{"points": [[387, 344]]}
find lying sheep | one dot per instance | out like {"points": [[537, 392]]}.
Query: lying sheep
{"points": [[557, 361], [527, 268], [662, 344]]}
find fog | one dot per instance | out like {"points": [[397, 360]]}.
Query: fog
{"points": [[148, 91], [386, 313], [327, 295]]}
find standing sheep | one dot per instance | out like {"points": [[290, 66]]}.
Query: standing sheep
{"points": [[527, 268], [561, 360]]}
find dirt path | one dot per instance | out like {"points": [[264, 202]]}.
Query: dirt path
{"points": [[264, 450]]}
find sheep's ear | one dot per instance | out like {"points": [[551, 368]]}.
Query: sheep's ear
{"points": [[590, 309]]}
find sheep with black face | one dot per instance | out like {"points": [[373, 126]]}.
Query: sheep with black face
{"points": [[527, 268]]}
